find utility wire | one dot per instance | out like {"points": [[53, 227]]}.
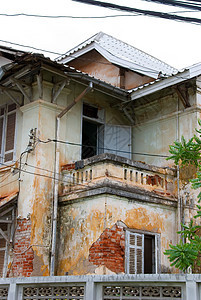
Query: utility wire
{"points": [[141, 11], [8, 182], [102, 148], [187, 4], [25, 46], [67, 17], [42, 175]]}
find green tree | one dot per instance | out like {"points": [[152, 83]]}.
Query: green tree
{"points": [[186, 253]]}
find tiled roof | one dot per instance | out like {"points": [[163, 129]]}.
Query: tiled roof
{"points": [[122, 54]]}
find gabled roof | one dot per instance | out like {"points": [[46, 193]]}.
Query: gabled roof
{"points": [[121, 54]]}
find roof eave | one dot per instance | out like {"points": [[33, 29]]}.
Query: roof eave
{"points": [[160, 85]]}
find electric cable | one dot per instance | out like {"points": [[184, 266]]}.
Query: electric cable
{"points": [[186, 4], [67, 17], [8, 182], [43, 175], [150, 13], [102, 148]]}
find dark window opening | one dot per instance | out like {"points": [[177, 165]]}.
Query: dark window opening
{"points": [[90, 111], [89, 139], [149, 251]]}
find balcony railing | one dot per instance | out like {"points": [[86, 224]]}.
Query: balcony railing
{"points": [[115, 169]]}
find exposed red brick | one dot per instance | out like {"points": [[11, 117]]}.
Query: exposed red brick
{"points": [[68, 167], [109, 249], [22, 265]]}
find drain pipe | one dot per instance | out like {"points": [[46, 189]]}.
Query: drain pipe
{"points": [[179, 208], [56, 176]]}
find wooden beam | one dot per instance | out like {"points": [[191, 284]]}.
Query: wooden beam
{"points": [[18, 74], [128, 115], [54, 71], [6, 211], [40, 85], [55, 96], [20, 87], [11, 97], [6, 221], [4, 235], [78, 98], [184, 98]]}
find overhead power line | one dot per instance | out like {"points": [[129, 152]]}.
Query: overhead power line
{"points": [[185, 4], [102, 148], [67, 17], [30, 47], [141, 11]]}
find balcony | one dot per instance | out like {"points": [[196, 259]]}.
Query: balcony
{"points": [[109, 173]]}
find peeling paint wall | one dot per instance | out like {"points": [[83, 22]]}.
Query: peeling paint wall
{"points": [[82, 223], [159, 124], [96, 65]]}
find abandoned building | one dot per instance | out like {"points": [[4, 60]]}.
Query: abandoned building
{"points": [[85, 187]]}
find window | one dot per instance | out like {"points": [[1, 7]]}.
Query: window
{"points": [[92, 131], [7, 132], [98, 137], [142, 253]]}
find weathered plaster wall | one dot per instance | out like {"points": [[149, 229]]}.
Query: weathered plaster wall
{"points": [[83, 222], [159, 124], [96, 65], [133, 80]]}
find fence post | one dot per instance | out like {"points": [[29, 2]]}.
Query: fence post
{"points": [[191, 288], [90, 291], [12, 292]]}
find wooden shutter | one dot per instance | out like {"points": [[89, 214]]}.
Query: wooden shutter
{"points": [[2, 249], [1, 134], [157, 254], [10, 136], [134, 253]]}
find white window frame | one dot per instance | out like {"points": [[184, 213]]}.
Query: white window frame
{"points": [[3, 144], [157, 243]]}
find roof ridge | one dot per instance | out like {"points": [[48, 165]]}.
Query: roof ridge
{"points": [[81, 45], [141, 51]]}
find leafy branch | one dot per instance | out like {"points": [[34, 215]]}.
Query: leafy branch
{"points": [[186, 253]]}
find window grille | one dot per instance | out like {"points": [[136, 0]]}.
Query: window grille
{"points": [[3, 293], [7, 132], [142, 292], [73, 292], [142, 253]]}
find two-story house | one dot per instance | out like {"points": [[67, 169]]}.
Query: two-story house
{"points": [[85, 187]]}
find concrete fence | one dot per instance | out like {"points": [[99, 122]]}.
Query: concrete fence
{"points": [[95, 287]]}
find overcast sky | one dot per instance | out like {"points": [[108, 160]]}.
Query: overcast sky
{"points": [[176, 43]]}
